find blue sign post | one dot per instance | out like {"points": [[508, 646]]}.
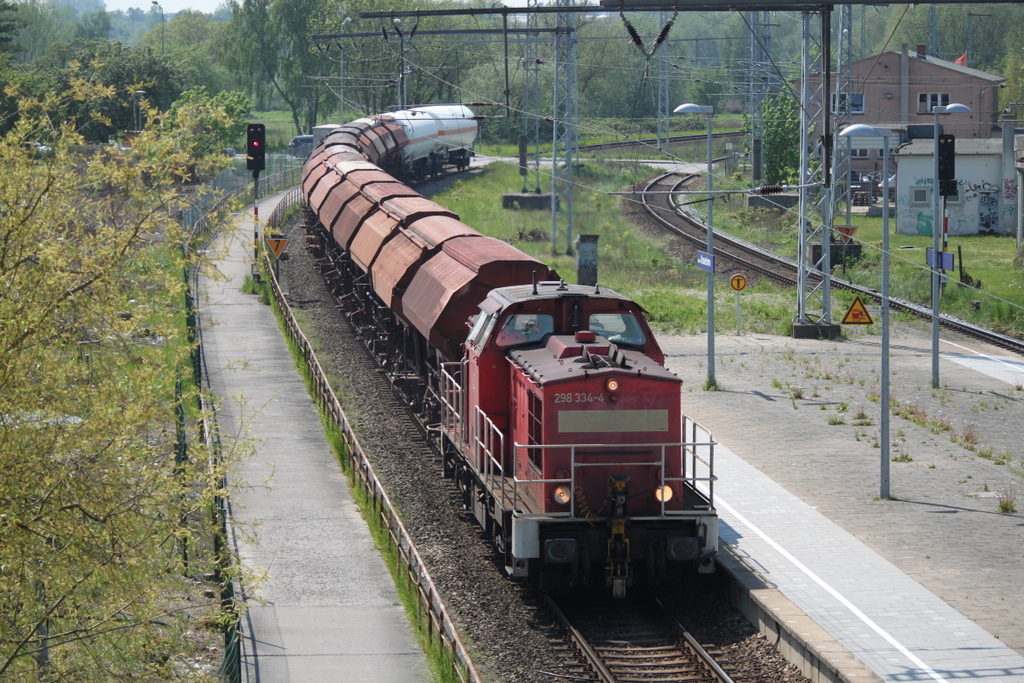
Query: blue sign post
{"points": [[706, 261], [945, 259]]}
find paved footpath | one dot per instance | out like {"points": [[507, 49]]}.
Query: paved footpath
{"points": [[327, 608], [917, 587]]}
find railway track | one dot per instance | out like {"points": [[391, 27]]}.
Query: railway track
{"points": [[632, 640], [656, 198], [653, 142]]}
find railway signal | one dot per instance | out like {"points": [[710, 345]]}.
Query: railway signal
{"points": [[255, 147], [947, 165]]}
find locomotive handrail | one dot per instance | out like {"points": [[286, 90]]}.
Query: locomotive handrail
{"points": [[690, 455], [488, 440], [452, 400], [695, 428]]}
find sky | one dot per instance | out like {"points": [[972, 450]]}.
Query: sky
{"points": [[170, 6]]}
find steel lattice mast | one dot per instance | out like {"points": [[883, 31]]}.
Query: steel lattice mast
{"points": [[843, 105], [565, 125], [815, 204], [531, 98], [664, 109]]}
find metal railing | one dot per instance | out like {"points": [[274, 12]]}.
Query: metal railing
{"points": [[697, 471]]}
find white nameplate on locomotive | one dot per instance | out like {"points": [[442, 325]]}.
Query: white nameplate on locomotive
{"points": [[612, 421]]}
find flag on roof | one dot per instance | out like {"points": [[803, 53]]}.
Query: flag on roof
{"points": [[962, 61]]}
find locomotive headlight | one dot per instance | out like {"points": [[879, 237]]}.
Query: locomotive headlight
{"points": [[663, 494], [612, 385], [561, 495]]}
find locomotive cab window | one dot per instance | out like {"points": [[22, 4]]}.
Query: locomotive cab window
{"points": [[618, 328], [525, 328]]}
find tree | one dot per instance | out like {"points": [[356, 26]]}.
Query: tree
{"points": [[42, 23], [202, 125], [127, 69], [194, 42], [93, 495], [10, 23], [781, 144], [93, 26]]}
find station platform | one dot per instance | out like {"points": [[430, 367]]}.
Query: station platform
{"points": [[916, 587], [326, 608]]}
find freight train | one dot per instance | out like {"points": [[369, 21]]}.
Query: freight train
{"points": [[549, 402]]}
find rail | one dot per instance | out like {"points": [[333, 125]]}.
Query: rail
{"points": [[784, 270], [429, 604]]}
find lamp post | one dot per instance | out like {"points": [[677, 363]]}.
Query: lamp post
{"points": [[864, 130], [157, 5], [137, 96], [709, 112], [938, 227]]}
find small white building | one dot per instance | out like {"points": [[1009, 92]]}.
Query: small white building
{"points": [[987, 201]]}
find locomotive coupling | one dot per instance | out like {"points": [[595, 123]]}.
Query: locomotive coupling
{"points": [[618, 574]]}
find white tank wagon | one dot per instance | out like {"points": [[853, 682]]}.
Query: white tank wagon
{"points": [[438, 135]]}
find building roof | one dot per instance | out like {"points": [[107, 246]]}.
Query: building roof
{"points": [[925, 147], [941, 63]]}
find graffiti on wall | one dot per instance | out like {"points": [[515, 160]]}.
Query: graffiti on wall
{"points": [[924, 223], [984, 187], [988, 213]]}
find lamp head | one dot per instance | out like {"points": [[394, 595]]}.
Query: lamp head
{"points": [[863, 130], [954, 108], [691, 108]]}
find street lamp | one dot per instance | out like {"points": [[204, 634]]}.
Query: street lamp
{"points": [[690, 108], [938, 227], [137, 96], [157, 5], [864, 130]]}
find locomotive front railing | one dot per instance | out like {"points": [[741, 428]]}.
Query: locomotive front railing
{"points": [[698, 458]]}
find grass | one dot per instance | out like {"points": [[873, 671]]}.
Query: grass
{"points": [[636, 265], [986, 258], [674, 292]]}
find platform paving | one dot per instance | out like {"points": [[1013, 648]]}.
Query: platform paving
{"points": [[917, 587], [326, 609]]}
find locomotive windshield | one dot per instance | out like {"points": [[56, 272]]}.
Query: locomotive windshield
{"points": [[525, 328], [618, 328]]}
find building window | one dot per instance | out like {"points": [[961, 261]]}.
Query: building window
{"points": [[920, 195], [856, 153], [856, 103], [926, 101]]}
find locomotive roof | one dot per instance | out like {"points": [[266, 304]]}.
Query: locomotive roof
{"points": [[504, 297], [563, 357]]}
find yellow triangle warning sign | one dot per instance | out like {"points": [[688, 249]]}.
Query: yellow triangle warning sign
{"points": [[846, 231], [857, 314], [276, 245]]}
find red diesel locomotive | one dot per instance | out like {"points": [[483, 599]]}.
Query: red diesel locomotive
{"points": [[550, 402]]}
